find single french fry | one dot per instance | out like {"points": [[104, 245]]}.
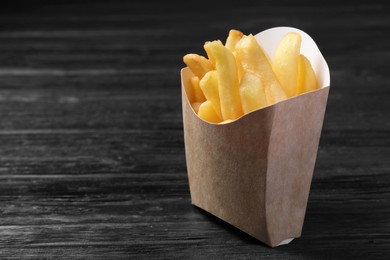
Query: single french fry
{"points": [[190, 92], [227, 80], [199, 65], [285, 63], [195, 106], [240, 69], [232, 39], [209, 86], [274, 94], [252, 93], [307, 79], [206, 47], [198, 93], [207, 112], [254, 59]]}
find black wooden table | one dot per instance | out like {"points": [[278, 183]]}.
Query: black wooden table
{"points": [[91, 137]]}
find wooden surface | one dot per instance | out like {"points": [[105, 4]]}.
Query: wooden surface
{"points": [[92, 152]]}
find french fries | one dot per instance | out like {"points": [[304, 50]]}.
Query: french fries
{"points": [[238, 77], [253, 59]]}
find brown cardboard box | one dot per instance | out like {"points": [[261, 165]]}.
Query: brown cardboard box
{"points": [[255, 173]]}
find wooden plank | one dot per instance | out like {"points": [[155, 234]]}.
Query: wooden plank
{"points": [[92, 162]]}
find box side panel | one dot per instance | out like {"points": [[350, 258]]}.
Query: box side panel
{"points": [[292, 154]]}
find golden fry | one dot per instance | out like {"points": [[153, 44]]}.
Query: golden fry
{"points": [[189, 89], [307, 79], [252, 93], [285, 63], [227, 80], [274, 94], [198, 93], [206, 47], [195, 106], [240, 69], [209, 86], [232, 39], [199, 65], [254, 59], [207, 112]]}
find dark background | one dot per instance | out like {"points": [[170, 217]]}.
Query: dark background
{"points": [[91, 138]]}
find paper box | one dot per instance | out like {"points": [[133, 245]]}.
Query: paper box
{"points": [[255, 173]]}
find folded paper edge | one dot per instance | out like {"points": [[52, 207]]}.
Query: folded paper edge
{"points": [[286, 241]]}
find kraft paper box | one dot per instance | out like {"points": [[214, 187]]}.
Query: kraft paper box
{"points": [[255, 173]]}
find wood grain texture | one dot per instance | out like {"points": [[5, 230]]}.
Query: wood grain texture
{"points": [[92, 153]]}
